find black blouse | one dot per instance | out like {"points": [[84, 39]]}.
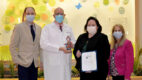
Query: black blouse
{"points": [[99, 43]]}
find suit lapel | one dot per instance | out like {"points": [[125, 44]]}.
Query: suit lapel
{"points": [[36, 33], [28, 31]]}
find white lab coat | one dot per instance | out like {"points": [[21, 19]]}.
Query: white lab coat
{"points": [[57, 64]]}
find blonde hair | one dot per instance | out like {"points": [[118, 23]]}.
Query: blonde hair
{"points": [[25, 12], [113, 40]]}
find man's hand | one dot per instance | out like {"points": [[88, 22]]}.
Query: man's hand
{"points": [[69, 45], [65, 50]]}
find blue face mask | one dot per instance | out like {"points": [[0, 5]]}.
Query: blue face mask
{"points": [[30, 18], [117, 34], [59, 18]]}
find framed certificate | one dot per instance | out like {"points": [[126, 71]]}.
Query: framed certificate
{"points": [[89, 61]]}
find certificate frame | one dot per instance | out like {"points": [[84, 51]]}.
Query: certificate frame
{"points": [[96, 62]]}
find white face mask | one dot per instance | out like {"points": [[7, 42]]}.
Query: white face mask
{"points": [[91, 29], [117, 34], [30, 18]]}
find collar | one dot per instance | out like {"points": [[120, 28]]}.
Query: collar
{"points": [[29, 24], [58, 24]]}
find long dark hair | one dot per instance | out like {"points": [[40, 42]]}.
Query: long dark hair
{"points": [[97, 23]]}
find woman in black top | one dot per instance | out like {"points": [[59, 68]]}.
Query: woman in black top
{"points": [[93, 40]]}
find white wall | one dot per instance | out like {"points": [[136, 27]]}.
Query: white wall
{"points": [[107, 15]]}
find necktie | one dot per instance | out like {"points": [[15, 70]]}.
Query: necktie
{"points": [[61, 28], [32, 32]]}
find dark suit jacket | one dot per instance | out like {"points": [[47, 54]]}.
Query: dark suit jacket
{"points": [[99, 42]]}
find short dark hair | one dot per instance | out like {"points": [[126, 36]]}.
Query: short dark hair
{"points": [[97, 23]]}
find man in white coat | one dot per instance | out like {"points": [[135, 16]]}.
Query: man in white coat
{"points": [[56, 42]]}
